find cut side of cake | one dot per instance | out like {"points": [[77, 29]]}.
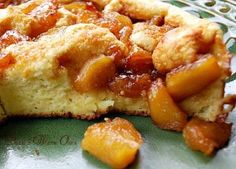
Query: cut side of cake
{"points": [[84, 59], [39, 84]]}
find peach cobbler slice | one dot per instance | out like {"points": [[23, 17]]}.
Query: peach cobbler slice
{"points": [[83, 59]]}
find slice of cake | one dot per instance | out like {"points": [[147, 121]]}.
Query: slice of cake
{"points": [[83, 59]]}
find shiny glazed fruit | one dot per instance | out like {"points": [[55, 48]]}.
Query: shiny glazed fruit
{"points": [[6, 60], [206, 136], [163, 110], [114, 142], [11, 37], [45, 16], [132, 86], [95, 74], [191, 79], [139, 62]]}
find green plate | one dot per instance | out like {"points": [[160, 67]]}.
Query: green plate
{"points": [[55, 143]]}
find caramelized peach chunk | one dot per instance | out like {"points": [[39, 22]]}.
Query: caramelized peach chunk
{"points": [[132, 86], [29, 7], [46, 16], [11, 37], [114, 142], [86, 11], [206, 136], [115, 22], [91, 7], [95, 74], [188, 80], [163, 110], [6, 60], [115, 52], [86, 17], [139, 62]]}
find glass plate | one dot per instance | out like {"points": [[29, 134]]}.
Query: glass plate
{"points": [[55, 143]]}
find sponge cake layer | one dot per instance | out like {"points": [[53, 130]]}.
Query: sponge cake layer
{"points": [[36, 85]]}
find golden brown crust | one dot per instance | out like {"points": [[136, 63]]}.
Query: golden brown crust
{"points": [[62, 115], [172, 52], [93, 116], [139, 9], [147, 36]]}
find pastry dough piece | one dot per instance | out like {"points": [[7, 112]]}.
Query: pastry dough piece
{"points": [[178, 47], [147, 36], [22, 18], [12, 18], [207, 104], [138, 9]]}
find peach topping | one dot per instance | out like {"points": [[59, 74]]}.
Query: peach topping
{"points": [[11, 37], [95, 74], [139, 62], [131, 85], [46, 16], [116, 22], [116, 53], [193, 76], [114, 142], [163, 110], [8, 38], [119, 25], [206, 136], [6, 60]]}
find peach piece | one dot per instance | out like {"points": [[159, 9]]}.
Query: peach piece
{"points": [[115, 22], [29, 7], [11, 37], [206, 136], [139, 62], [133, 86], [45, 16], [95, 74], [114, 142], [115, 52], [164, 111], [191, 79], [6, 60]]}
